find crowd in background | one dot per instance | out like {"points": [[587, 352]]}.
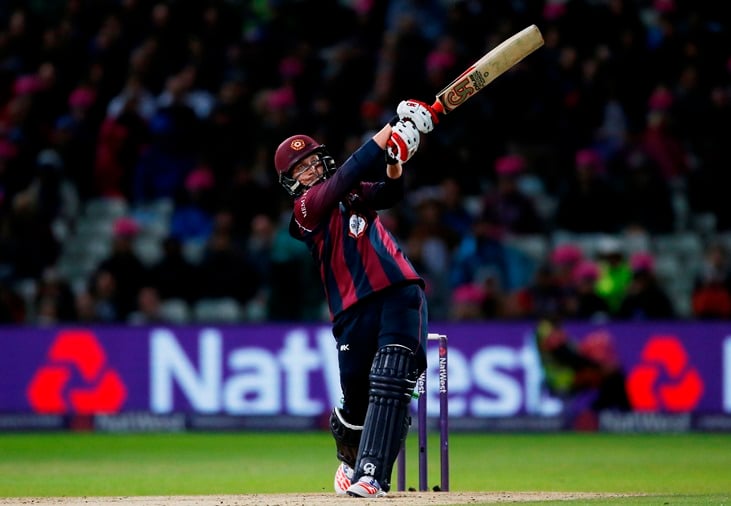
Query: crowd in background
{"points": [[626, 107]]}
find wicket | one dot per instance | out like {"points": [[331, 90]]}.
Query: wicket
{"points": [[423, 429]]}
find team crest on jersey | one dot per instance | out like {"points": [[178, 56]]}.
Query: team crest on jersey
{"points": [[356, 225]]}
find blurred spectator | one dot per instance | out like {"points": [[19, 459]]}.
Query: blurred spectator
{"points": [[123, 136], [21, 123], [455, 215], [26, 237], [430, 243], [260, 244], [38, 218], [707, 184], [12, 178], [615, 273], [692, 106], [574, 368], [54, 196], [148, 309], [102, 301], [442, 60], [588, 203], [612, 135], [127, 271], [480, 255], [12, 305], [428, 17], [134, 99], [19, 41], [494, 304], [225, 270], [513, 211], [467, 302], [295, 291], [543, 297], [85, 307], [645, 298], [259, 252], [167, 37], [54, 300], [195, 206], [108, 169], [584, 302], [247, 194], [409, 28], [711, 297], [227, 125], [175, 142], [660, 140], [563, 259], [647, 197], [173, 275], [184, 88], [76, 138]]}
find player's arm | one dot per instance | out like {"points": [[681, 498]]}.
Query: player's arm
{"points": [[385, 193], [399, 139], [400, 142]]}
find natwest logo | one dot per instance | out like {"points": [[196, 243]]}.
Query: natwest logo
{"points": [[249, 380], [76, 378], [665, 380], [299, 376]]}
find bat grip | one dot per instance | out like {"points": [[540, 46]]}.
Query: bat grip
{"points": [[438, 107]]}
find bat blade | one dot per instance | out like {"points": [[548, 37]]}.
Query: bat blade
{"points": [[488, 68]]}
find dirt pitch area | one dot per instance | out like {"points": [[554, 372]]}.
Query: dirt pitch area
{"points": [[393, 499]]}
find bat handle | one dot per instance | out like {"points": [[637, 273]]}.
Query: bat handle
{"points": [[438, 107]]}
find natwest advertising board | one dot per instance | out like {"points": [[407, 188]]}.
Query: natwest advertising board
{"points": [[291, 370]]}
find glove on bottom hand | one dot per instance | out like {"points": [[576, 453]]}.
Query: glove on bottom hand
{"points": [[420, 113], [403, 143]]}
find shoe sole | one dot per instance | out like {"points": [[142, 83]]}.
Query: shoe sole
{"points": [[353, 494], [378, 493]]}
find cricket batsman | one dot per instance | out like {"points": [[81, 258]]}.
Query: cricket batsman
{"points": [[375, 296]]}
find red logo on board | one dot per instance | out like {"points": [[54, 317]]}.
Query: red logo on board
{"points": [[76, 378], [665, 380]]}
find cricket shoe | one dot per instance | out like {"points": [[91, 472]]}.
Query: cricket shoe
{"points": [[366, 486], [343, 477]]}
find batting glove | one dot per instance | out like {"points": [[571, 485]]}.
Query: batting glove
{"points": [[420, 113], [404, 141]]}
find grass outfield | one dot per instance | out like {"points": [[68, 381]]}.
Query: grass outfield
{"points": [[675, 469]]}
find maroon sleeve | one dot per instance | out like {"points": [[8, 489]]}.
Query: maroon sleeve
{"points": [[316, 203], [384, 194]]}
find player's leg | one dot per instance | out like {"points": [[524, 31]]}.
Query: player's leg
{"points": [[393, 377], [356, 336], [347, 440], [400, 359]]}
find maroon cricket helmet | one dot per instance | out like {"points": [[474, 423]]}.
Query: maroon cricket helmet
{"points": [[291, 151]]}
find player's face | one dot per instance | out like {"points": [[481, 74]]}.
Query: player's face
{"points": [[308, 170]]}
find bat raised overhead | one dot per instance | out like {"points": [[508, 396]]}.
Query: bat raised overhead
{"points": [[488, 68]]}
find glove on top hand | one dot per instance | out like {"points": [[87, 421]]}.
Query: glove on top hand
{"points": [[420, 113]]}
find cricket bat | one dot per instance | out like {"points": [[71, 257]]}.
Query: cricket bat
{"points": [[488, 68]]}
